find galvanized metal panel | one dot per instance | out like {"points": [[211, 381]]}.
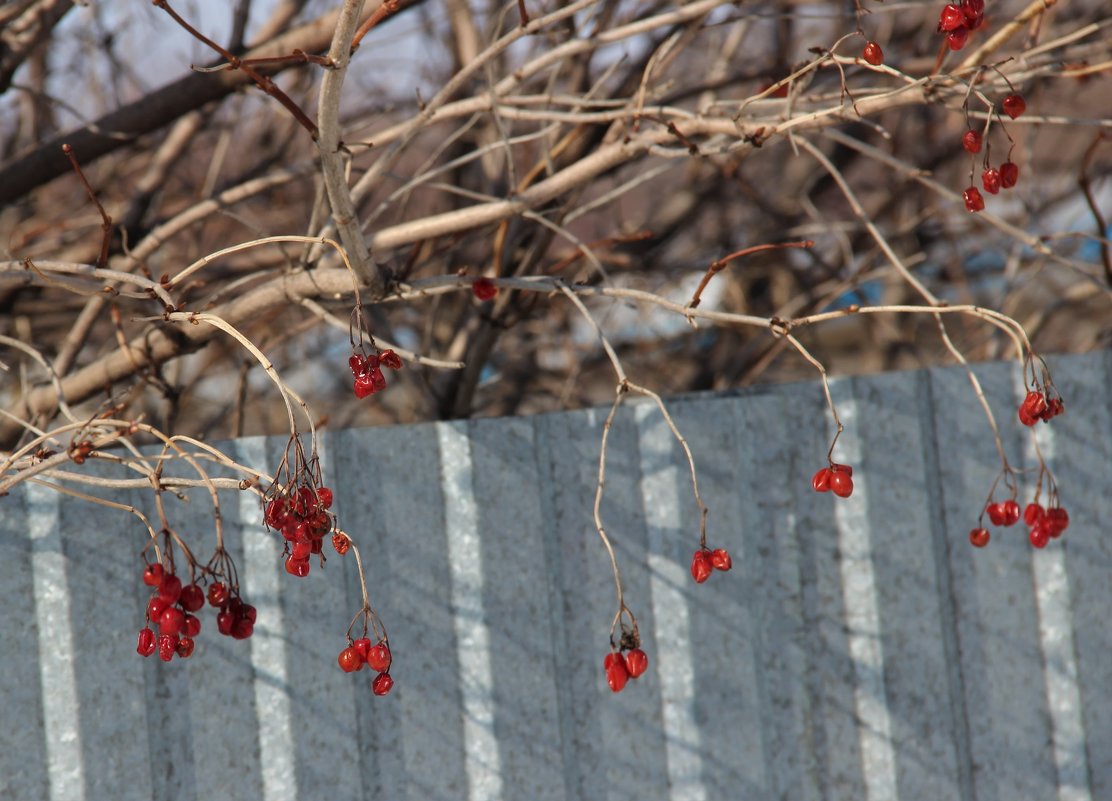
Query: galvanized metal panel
{"points": [[859, 649]]}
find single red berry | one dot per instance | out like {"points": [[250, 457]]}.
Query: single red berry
{"points": [[340, 543], [637, 662], [979, 537], [391, 360], [1039, 535], [242, 629], [155, 607], [224, 622], [378, 380], [971, 141], [973, 8], [720, 559], [701, 568], [152, 575], [1011, 512], [185, 647], [973, 200], [301, 551], [484, 288], [248, 613], [170, 588], [1009, 175], [873, 54], [379, 657], [192, 626], [350, 660], [297, 567], [167, 646], [192, 598], [996, 513], [1058, 519], [217, 593], [950, 18], [821, 480], [364, 386], [324, 495], [382, 684], [171, 620], [957, 37], [147, 642], [990, 180], [841, 483], [363, 646], [358, 364], [616, 672], [1033, 514], [1014, 105]]}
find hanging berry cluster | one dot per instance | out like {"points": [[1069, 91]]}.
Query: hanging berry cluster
{"points": [[363, 651], [838, 478], [993, 179], [297, 506], [367, 369], [957, 20], [705, 561], [1037, 406]]}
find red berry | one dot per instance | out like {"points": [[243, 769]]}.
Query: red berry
{"points": [[301, 551], [217, 593], [185, 647], [979, 537], [950, 18], [484, 288], [391, 360], [155, 607], [379, 657], [701, 568], [146, 642], [996, 513], [616, 673], [324, 495], [248, 613], [364, 386], [170, 588], [841, 483], [973, 10], [973, 200], [192, 598], [167, 646], [357, 363], [637, 662], [1033, 514], [297, 567], [363, 646], [1009, 175], [242, 629], [1011, 512], [1058, 520], [873, 54], [350, 660], [171, 620], [957, 37], [340, 543], [720, 559], [192, 626], [990, 180], [382, 684], [1039, 535], [1014, 105], [152, 575], [971, 141], [821, 480]]}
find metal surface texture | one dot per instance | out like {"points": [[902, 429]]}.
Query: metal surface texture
{"points": [[860, 649]]}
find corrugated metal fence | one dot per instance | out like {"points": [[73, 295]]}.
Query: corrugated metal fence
{"points": [[860, 649]]}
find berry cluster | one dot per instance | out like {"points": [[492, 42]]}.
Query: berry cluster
{"points": [[621, 668], [1044, 524], [367, 370], [303, 519], [957, 20], [235, 618], [377, 657], [703, 563], [483, 288], [993, 179], [1037, 406], [838, 478], [170, 610]]}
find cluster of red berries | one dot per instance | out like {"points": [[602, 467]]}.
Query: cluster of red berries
{"points": [[873, 54], [993, 179], [235, 618], [377, 657], [170, 610], [838, 478], [621, 668], [303, 519], [957, 20], [1045, 524], [483, 288], [1037, 406], [705, 561], [368, 371]]}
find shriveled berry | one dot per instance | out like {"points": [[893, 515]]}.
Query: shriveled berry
{"points": [[720, 559], [957, 38], [185, 647], [820, 481], [484, 288], [167, 646], [357, 363], [248, 613], [841, 483], [973, 9], [152, 575], [873, 54], [147, 642], [950, 17], [616, 672], [217, 593], [350, 660], [390, 359], [192, 598], [701, 568], [990, 180], [382, 684], [171, 620], [364, 386], [637, 662], [973, 200], [340, 543], [1009, 175], [324, 495], [192, 626], [379, 657], [979, 537], [971, 141], [1014, 105]]}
